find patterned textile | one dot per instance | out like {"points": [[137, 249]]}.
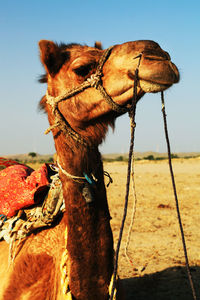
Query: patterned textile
{"points": [[21, 186], [4, 163]]}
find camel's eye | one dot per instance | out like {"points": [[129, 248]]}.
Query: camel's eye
{"points": [[83, 70]]}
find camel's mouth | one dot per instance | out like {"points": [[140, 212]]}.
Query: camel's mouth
{"points": [[160, 79], [150, 86], [156, 72], [153, 87]]}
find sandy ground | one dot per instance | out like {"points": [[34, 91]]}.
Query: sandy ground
{"points": [[158, 268]]}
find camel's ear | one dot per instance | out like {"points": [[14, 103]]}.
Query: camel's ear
{"points": [[51, 56], [98, 45]]}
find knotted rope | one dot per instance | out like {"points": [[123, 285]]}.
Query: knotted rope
{"points": [[79, 179], [176, 199], [64, 272]]}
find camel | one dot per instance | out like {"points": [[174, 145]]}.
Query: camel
{"points": [[87, 89]]}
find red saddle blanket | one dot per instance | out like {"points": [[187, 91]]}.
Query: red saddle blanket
{"points": [[21, 186]]}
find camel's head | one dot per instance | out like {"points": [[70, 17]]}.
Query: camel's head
{"points": [[156, 71], [68, 66]]}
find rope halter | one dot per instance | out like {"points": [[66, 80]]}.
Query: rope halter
{"points": [[93, 81]]}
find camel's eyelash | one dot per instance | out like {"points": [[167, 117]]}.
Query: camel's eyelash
{"points": [[83, 70]]}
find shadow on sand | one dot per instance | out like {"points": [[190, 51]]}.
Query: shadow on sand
{"points": [[169, 284]]}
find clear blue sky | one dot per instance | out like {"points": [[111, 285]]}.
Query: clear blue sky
{"points": [[174, 24]]}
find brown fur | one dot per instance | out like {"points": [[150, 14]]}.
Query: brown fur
{"points": [[89, 241], [31, 276]]}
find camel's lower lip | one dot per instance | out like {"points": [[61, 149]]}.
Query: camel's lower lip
{"points": [[153, 87], [151, 81]]}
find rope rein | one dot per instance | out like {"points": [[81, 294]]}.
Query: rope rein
{"points": [[133, 183], [132, 213], [176, 199], [130, 162], [132, 111]]}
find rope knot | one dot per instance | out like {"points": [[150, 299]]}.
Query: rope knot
{"points": [[56, 124], [133, 124], [51, 101], [94, 79]]}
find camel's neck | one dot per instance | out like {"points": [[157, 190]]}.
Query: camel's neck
{"points": [[89, 241]]}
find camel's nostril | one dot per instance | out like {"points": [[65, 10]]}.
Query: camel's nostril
{"points": [[176, 72], [168, 56]]}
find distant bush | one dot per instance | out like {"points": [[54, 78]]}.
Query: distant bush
{"points": [[32, 154], [149, 157], [174, 155], [119, 158], [160, 158], [42, 161], [108, 159], [50, 160]]}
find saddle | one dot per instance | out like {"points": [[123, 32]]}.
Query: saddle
{"points": [[29, 199]]}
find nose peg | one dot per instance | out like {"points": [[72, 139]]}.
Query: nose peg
{"points": [[138, 56]]}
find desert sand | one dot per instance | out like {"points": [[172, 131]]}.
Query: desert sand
{"points": [[157, 268]]}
